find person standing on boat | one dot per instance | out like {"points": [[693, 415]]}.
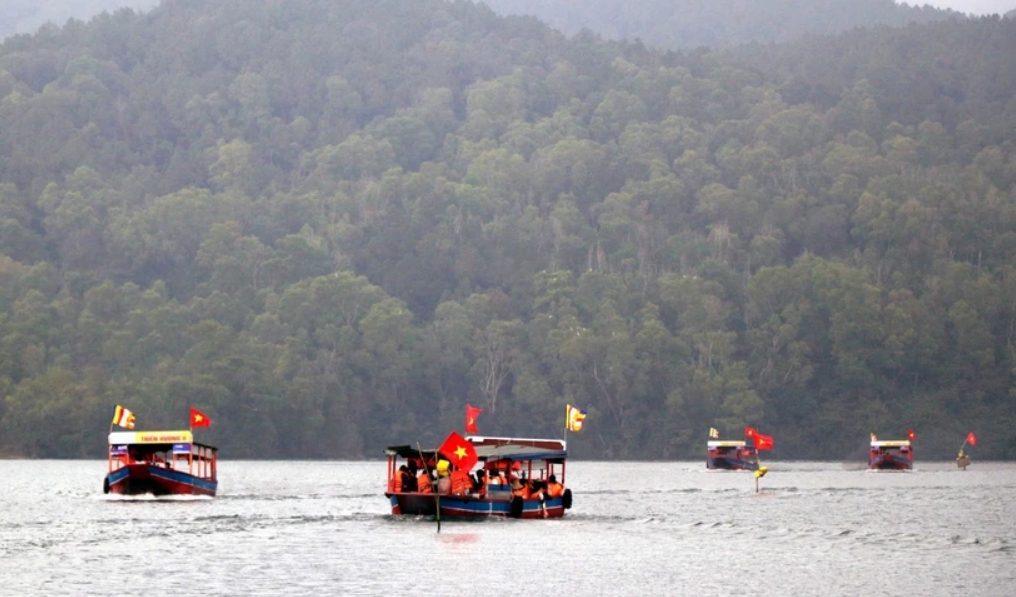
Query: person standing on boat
{"points": [[519, 489]]}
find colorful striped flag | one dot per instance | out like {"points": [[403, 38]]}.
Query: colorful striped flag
{"points": [[573, 418], [123, 417]]}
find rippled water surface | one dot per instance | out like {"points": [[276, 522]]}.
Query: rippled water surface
{"points": [[666, 528]]}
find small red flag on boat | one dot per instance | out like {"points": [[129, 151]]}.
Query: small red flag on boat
{"points": [[471, 413], [199, 419], [911, 435], [750, 432], [972, 439], [458, 451], [763, 442]]}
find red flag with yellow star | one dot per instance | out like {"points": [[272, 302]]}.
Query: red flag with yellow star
{"points": [[471, 413], [199, 419], [458, 451]]}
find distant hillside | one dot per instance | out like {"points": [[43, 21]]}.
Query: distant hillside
{"points": [[674, 24], [330, 224], [26, 16]]}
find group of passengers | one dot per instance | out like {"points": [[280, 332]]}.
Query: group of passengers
{"points": [[414, 478]]}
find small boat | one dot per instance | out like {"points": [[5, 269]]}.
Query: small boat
{"points": [[536, 463], [892, 455], [160, 463], [731, 455]]}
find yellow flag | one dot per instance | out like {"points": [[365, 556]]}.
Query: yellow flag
{"points": [[573, 418]]}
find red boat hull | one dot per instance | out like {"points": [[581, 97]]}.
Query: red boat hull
{"points": [[141, 479]]}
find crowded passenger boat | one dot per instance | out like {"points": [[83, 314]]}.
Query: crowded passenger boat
{"points": [[479, 477]]}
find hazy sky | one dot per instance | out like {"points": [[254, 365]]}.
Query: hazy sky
{"points": [[970, 6]]}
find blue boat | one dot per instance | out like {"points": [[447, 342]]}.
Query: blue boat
{"points": [[160, 463], [535, 468]]}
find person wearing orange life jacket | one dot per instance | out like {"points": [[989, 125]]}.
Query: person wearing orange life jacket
{"points": [[554, 489], [460, 482], [400, 481], [424, 483], [519, 489]]}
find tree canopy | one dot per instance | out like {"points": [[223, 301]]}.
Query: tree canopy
{"points": [[331, 224]]}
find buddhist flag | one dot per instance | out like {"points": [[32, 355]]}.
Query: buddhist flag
{"points": [[471, 413], [763, 442], [573, 418], [713, 433], [458, 451], [750, 432], [873, 438], [199, 419], [123, 417], [911, 435], [972, 439]]}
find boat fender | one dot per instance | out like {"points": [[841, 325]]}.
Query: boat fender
{"points": [[566, 499], [105, 485], [516, 507]]}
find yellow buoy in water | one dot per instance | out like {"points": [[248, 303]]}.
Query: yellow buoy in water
{"points": [[761, 472]]}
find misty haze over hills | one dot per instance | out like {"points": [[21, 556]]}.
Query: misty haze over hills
{"points": [[26, 16], [333, 223]]}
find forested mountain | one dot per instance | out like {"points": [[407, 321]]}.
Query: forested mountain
{"points": [[26, 16], [331, 224], [676, 24]]}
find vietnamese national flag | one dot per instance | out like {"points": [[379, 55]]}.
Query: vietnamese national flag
{"points": [[911, 435], [458, 451], [763, 442], [471, 413], [199, 419], [750, 432], [972, 439]]}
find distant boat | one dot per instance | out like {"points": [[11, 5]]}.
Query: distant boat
{"points": [[160, 463], [731, 455], [893, 455], [538, 463]]}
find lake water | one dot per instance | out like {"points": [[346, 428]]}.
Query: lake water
{"points": [[664, 528]]}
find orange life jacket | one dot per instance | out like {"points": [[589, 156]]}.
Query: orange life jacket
{"points": [[397, 482], [555, 489], [522, 491], [460, 482], [423, 483]]}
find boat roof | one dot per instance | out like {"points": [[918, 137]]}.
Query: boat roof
{"points": [[726, 443], [152, 438], [497, 448], [892, 443]]}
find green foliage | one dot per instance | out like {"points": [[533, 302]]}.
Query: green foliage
{"points": [[331, 225]]}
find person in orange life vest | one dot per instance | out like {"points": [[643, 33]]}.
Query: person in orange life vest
{"points": [[401, 480], [519, 488], [480, 483], [554, 489], [424, 483], [460, 482]]}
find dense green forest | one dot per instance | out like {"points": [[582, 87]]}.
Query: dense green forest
{"points": [[331, 224], [676, 24], [26, 16]]}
